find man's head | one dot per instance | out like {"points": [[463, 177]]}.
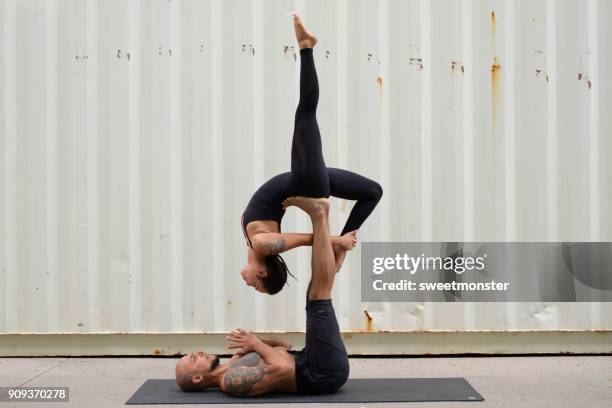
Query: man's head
{"points": [[194, 369], [267, 275]]}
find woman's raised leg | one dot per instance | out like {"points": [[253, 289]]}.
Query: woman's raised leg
{"points": [[307, 163]]}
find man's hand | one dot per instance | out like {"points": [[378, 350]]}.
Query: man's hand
{"points": [[244, 341]]}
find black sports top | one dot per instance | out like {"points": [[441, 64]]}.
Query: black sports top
{"points": [[267, 202]]}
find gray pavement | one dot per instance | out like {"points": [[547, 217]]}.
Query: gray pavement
{"points": [[546, 381]]}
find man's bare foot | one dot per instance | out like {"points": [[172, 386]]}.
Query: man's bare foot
{"points": [[312, 206], [304, 37], [346, 241]]}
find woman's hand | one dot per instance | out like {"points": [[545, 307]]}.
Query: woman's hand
{"points": [[242, 340]]}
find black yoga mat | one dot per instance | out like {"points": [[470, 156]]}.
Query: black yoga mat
{"points": [[355, 390]]}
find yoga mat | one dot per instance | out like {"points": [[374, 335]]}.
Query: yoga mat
{"points": [[355, 390]]}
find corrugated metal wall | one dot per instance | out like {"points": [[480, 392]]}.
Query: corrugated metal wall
{"points": [[134, 133]]}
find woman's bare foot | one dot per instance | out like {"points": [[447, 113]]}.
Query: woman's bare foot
{"points": [[347, 241], [312, 206], [304, 37]]}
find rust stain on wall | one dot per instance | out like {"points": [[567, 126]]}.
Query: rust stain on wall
{"points": [[493, 26], [495, 68], [368, 321], [540, 73], [380, 81], [586, 79], [458, 65], [418, 62]]}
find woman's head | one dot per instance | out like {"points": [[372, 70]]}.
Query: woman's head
{"points": [[267, 274]]}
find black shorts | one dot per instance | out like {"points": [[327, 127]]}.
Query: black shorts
{"points": [[322, 366]]}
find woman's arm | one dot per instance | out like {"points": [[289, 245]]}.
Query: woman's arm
{"points": [[272, 243]]}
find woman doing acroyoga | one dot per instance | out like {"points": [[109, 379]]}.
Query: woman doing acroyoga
{"points": [[266, 270]]}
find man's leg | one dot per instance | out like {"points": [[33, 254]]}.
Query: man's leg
{"points": [[323, 260], [326, 366]]}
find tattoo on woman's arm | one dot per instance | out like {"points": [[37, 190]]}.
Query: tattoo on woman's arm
{"points": [[275, 247], [243, 374]]}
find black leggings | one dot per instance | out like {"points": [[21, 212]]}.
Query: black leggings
{"points": [[312, 178]]}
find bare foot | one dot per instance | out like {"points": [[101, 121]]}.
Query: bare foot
{"points": [[304, 37], [347, 241], [312, 206]]}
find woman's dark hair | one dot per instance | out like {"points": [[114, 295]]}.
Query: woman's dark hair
{"points": [[277, 274]]}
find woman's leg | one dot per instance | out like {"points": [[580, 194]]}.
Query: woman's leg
{"points": [[307, 164], [352, 186]]}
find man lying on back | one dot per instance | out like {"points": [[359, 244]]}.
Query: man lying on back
{"points": [[265, 366]]}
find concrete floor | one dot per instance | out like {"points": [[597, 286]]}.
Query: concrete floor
{"points": [[547, 382]]}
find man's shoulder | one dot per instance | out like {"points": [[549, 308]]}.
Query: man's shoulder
{"points": [[250, 375], [250, 359], [243, 374]]}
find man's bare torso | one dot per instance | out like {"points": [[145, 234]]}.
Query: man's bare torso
{"points": [[249, 375]]}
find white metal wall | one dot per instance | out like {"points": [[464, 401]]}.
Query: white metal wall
{"points": [[134, 132]]}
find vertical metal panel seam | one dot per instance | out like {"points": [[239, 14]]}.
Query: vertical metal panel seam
{"points": [[593, 47], [426, 116], [510, 116], [176, 176], [383, 116], [134, 211], [70, 288], [10, 165], [467, 9], [426, 135], [551, 136], [3, 211], [93, 179], [51, 169], [594, 179], [203, 137], [341, 86], [468, 120], [385, 83], [510, 140], [218, 298]]}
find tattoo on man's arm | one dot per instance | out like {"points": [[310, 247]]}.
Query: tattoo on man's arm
{"points": [[275, 247], [243, 374]]}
